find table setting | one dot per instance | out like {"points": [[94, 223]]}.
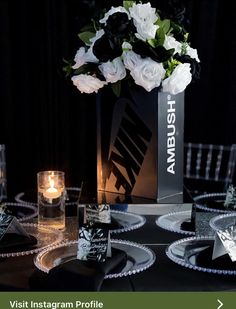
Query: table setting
{"points": [[137, 62], [30, 227], [212, 248]]}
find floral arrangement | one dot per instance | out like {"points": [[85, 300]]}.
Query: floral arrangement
{"points": [[133, 42]]}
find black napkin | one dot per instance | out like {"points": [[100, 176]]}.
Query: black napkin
{"points": [[215, 204], [188, 225], [76, 275], [204, 259], [15, 242]]}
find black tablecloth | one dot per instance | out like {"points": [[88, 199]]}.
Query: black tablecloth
{"points": [[164, 275]]}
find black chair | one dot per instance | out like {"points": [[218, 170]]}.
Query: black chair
{"points": [[208, 167]]}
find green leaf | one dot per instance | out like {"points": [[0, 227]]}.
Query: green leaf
{"points": [[184, 48], [88, 28], [165, 25], [67, 61], [116, 88], [128, 4], [67, 68], [87, 68], [186, 35], [81, 70], [170, 66], [152, 42], [158, 17], [169, 32], [176, 28], [86, 36], [160, 36]]}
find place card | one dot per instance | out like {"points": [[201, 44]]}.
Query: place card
{"points": [[225, 243], [94, 244], [9, 224], [230, 199], [97, 214]]}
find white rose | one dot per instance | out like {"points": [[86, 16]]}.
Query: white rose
{"points": [[148, 74], [87, 83], [178, 80], [97, 36], [131, 59], [113, 10], [143, 13], [89, 56], [126, 45], [146, 31], [170, 42], [80, 58], [191, 52], [113, 70], [83, 57]]}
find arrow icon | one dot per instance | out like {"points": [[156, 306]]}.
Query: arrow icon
{"points": [[221, 304]]}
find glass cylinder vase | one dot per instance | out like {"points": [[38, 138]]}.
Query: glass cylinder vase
{"points": [[51, 199]]}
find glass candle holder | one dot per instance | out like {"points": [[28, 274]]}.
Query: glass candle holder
{"points": [[51, 199]]}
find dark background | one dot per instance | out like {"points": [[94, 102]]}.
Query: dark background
{"points": [[47, 124]]}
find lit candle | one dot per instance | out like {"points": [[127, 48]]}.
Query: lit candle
{"points": [[51, 192], [51, 199]]}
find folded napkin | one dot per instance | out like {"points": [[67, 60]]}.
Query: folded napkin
{"points": [[76, 275], [204, 259], [188, 225], [215, 204], [15, 242]]}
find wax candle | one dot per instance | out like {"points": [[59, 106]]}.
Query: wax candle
{"points": [[51, 192]]}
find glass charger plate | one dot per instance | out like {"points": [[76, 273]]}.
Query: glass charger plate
{"points": [[189, 252], [173, 222], [46, 237], [23, 212], [202, 200], [222, 222], [127, 221], [139, 257]]}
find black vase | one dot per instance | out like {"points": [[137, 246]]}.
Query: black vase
{"points": [[140, 144]]}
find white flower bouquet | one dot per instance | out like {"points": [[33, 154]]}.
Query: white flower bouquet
{"points": [[133, 42]]}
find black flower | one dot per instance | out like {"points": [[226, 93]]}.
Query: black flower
{"points": [[129, 33], [106, 49], [159, 53], [119, 25]]}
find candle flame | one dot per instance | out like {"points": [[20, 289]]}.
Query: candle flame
{"points": [[51, 182]]}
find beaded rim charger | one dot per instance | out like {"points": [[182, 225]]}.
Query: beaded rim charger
{"points": [[25, 212], [139, 258], [176, 252], [46, 237], [202, 199], [173, 220]]}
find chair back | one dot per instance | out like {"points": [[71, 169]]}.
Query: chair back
{"points": [[210, 163]]}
